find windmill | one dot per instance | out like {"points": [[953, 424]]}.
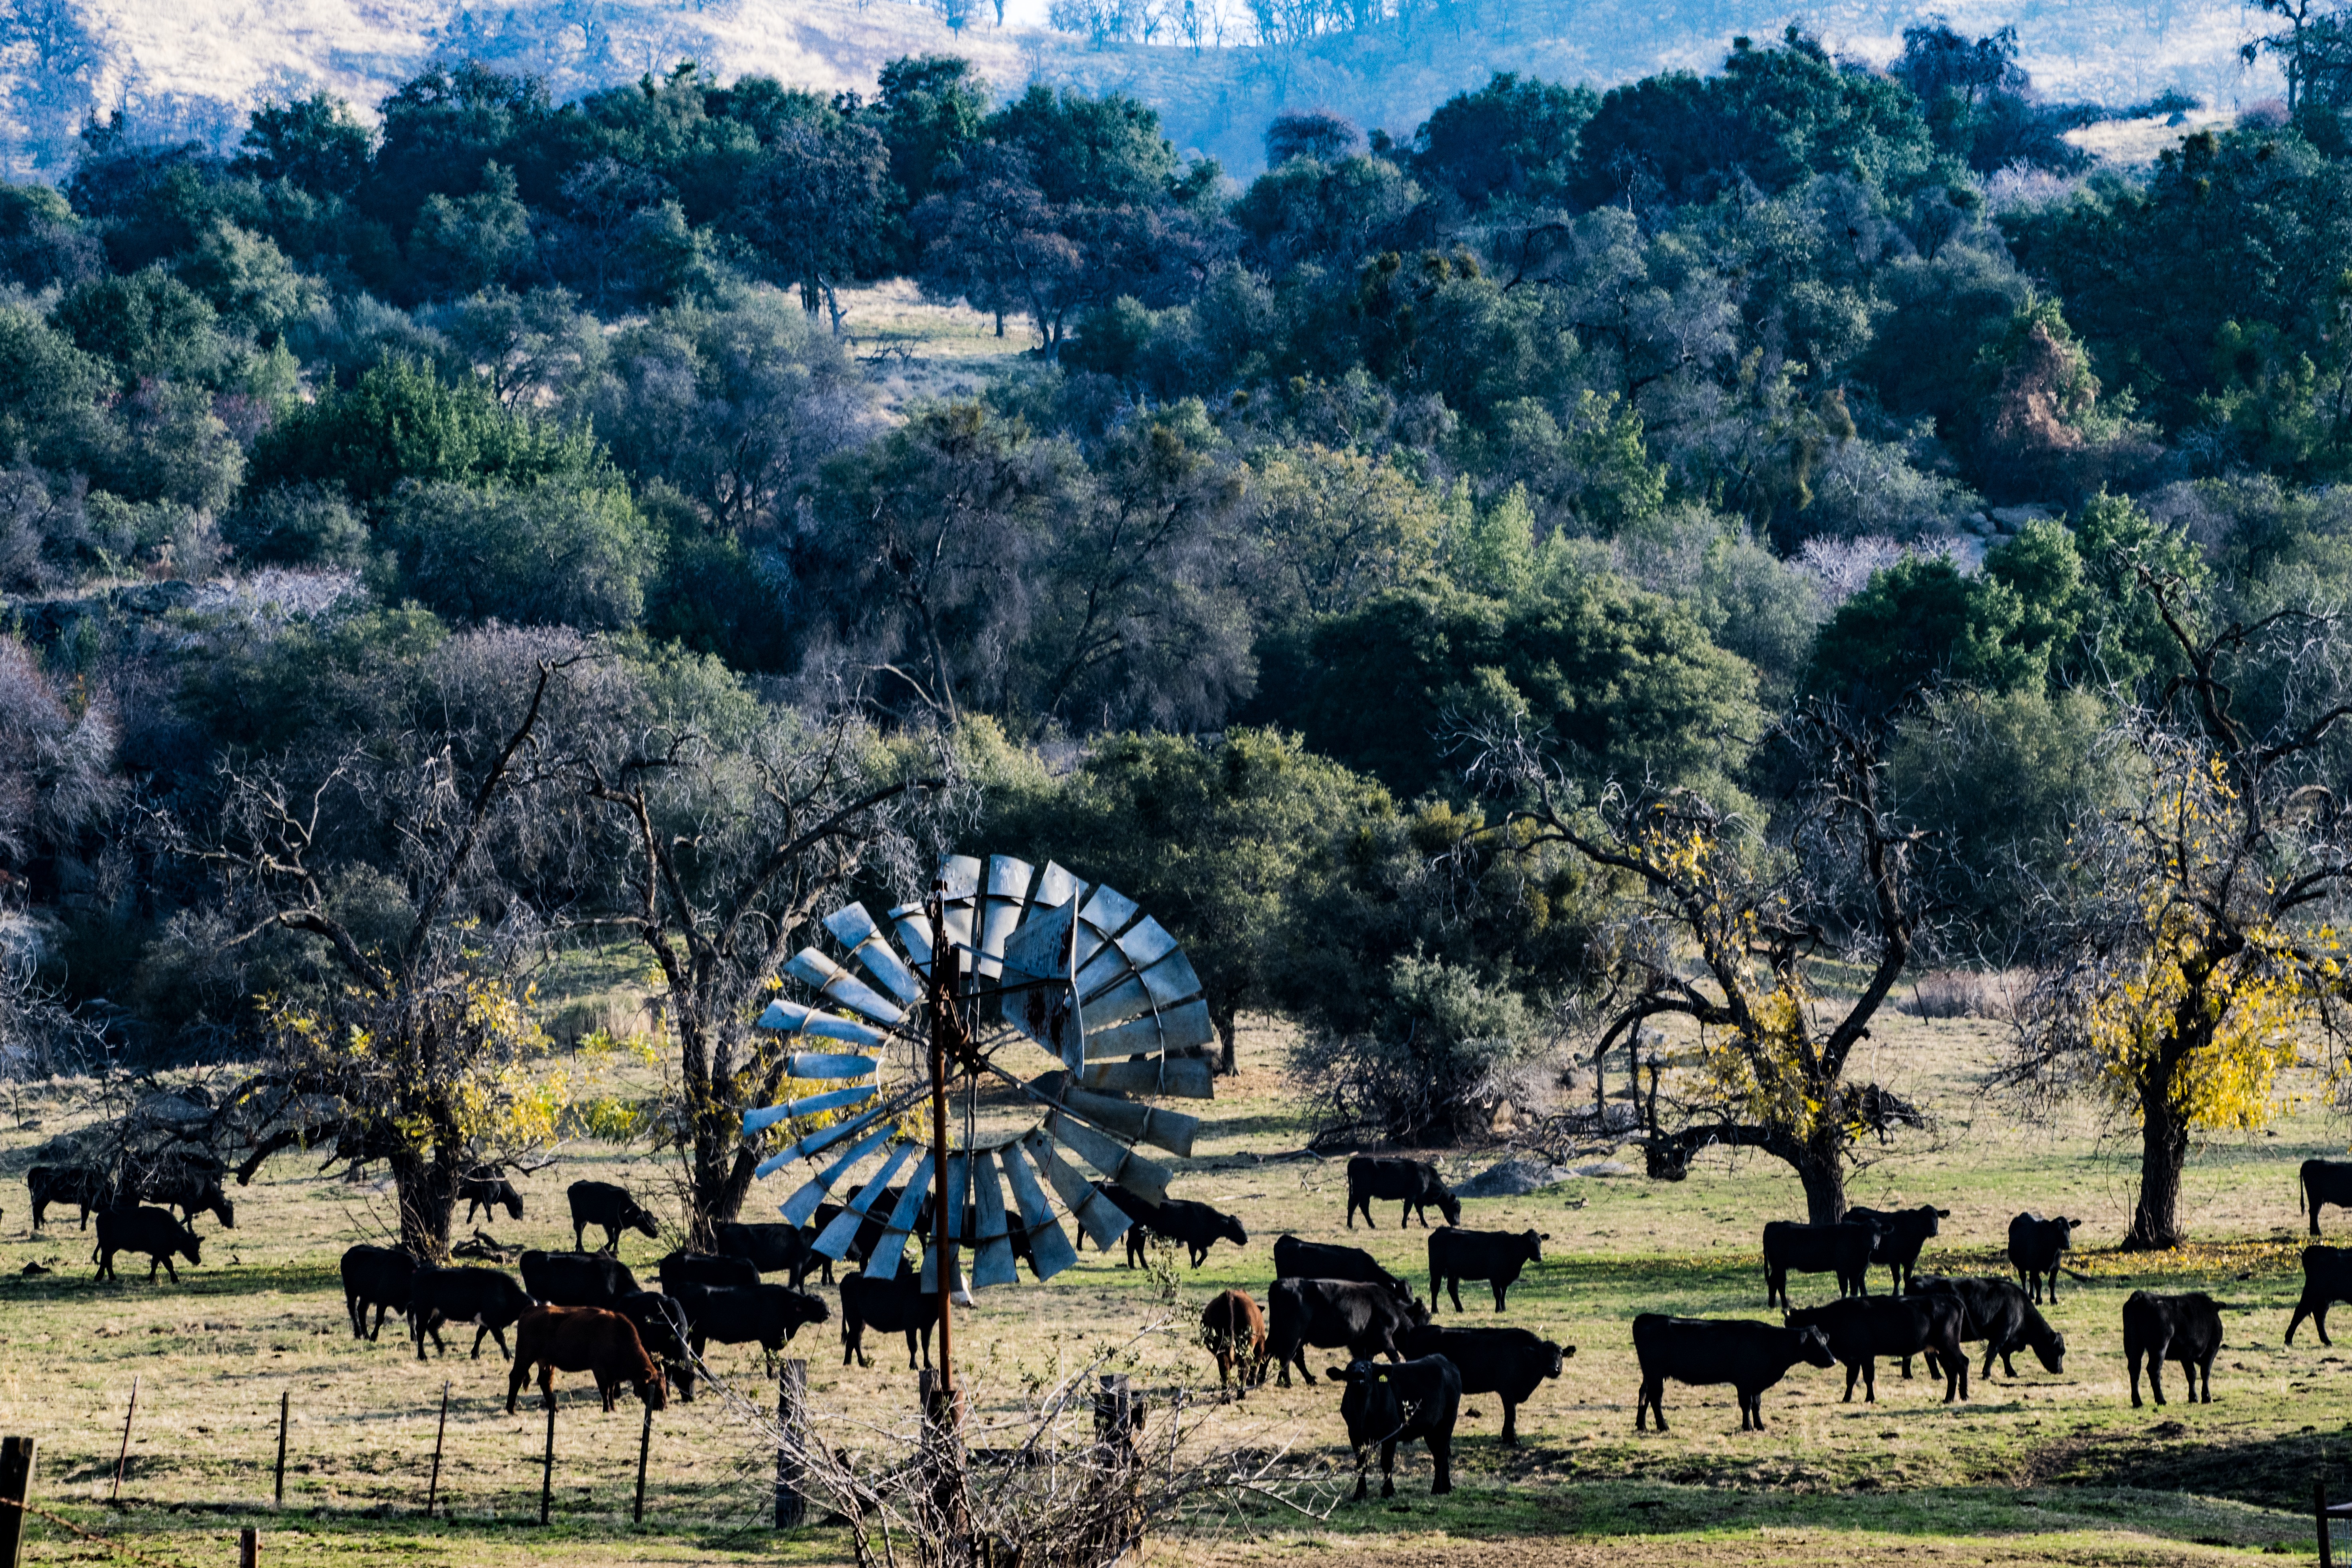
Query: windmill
{"points": [[1003, 970]]}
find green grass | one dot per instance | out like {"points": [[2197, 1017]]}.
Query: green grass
{"points": [[2043, 1468]]}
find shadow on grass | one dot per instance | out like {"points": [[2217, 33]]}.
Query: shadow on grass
{"points": [[2273, 1472]]}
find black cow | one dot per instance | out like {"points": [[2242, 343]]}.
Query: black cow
{"points": [[577, 1278], [1331, 1313], [2327, 1279], [1859, 1329], [679, 1270], [1196, 1225], [1297, 1259], [767, 1315], [2185, 1328], [1998, 1312], [1748, 1355], [190, 1189], [1415, 1183], [1495, 1256], [2326, 1181], [663, 1329], [158, 1233], [775, 1248], [377, 1276], [1840, 1250], [483, 1188], [1392, 1405], [2035, 1246], [1509, 1363], [1139, 1212], [604, 1205], [87, 1187], [486, 1298], [1901, 1234], [893, 1306]]}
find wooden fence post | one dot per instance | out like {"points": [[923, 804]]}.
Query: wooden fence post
{"points": [[792, 1423], [547, 1470], [248, 1548], [2318, 1510], [16, 1490], [433, 1487], [285, 1407], [645, 1449], [124, 1457]]}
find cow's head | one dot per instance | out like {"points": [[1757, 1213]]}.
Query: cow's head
{"points": [[1447, 1204], [2051, 1353], [1534, 1241], [2063, 1229], [1230, 1228], [801, 1307], [1813, 1348], [637, 1219], [1370, 1403], [1559, 1354], [1416, 1313], [191, 1245]]}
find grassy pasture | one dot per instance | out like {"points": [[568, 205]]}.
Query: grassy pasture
{"points": [[2044, 1469]]}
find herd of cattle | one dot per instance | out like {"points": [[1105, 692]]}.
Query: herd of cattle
{"points": [[1405, 1378]]}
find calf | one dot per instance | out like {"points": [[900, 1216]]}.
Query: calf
{"points": [[891, 1306], [1332, 1313], [87, 1187], [610, 1207], [2326, 1181], [191, 1191], [2035, 1246], [1415, 1183], [679, 1270], [1196, 1226], [584, 1339], [376, 1277], [1901, 1234], [483, 1188], [663, 1329], [1840, 1250], [1297, 1259], [774, 1249], [1998, 1312], [1511, 1363], [2327, 1279], [485, 1298], [765, 1315], [158, 1233], [576, 1280], [1860, 1330], [1392, 1405], [2185, 1327], [1750, 1356], [1496, 1257], [1233, 1329]]}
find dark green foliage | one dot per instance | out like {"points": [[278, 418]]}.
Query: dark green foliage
{"points": [[42, 241], [1510, 140], [313, 142], [1918, 625], [559, 553], [147, 325], [1096, 151]]}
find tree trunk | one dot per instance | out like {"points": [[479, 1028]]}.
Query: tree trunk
{"points": [[1224, 1023], [2163, 1151], [1820, 1168], [427, 1192]]}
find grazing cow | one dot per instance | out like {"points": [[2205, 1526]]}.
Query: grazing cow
{"points": [[1998, 1312], [892, 1305], [483, 1188], [1415, 1183], [1859, 1329], [2035, 1246], [663, 1329], [1392, 1405], [2185, 1328], [190, 1189], [767, 1315], [584, 1339], [87, 1187], [1901, 1234], [1333, 1313], [1235, 1331], [485, 1298], [576, 1278], [376, 1277], [1840, 1250], [1139, 1210], [679, 1270], [2327, 1279], [2326, 1181], [1495, 1256], [158, 1233], [1511, 1363], [1297, 1259], [1196, 1225], [775, 1248], [610, 1207], [1748, 1355]]}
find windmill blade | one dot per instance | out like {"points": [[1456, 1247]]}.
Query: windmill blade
{"points": [[1037, 960], [1169, 1130], [837, 1235], [1154, 1032], [827, 1064], [1000, 910], [824, 1138], [802, 1205], [842, 988], [991, 1261], [791, 1018], [853, 927], [883, 1262], [756, 1121], [1055, 886], [1103, 1220], [1049, 1249], [1122, 1166], [959, 899], [915, 935], [1187, 1078]]}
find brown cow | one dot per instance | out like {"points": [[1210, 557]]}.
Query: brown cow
{"points": [[1234, 1331], [584, 1339]]}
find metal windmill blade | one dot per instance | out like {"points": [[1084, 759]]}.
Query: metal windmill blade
{"points": [[1008, 960]]}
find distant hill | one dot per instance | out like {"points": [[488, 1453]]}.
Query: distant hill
{"points": [[194, 67]]}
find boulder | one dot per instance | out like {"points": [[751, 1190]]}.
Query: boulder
{"points": [[1514, 1177]]}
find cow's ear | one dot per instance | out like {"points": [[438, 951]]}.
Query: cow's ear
{"points": [[1943, 1214], [1544, 1236]]}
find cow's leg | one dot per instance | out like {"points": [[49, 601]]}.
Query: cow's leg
{"points": [[1853, 1371], [1363, 1488], [1441, 1455], [1869, 1382], [1388, 1459], [1933, 1371], [516, 1375], [1502, 1288], [1510, 1422], [1452, 1290], [2319, 1319], [2207, 1368]]}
